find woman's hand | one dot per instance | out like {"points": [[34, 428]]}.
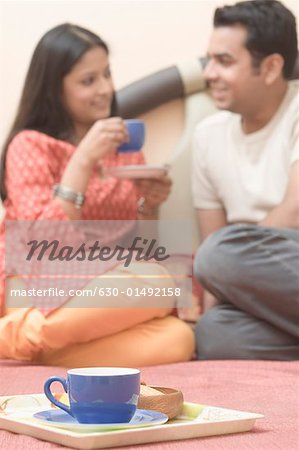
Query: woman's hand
{"points": [[102, 138], [154, 191]]}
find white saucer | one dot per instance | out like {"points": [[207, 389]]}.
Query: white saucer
{"points": [[137, 171], [61, 419]]}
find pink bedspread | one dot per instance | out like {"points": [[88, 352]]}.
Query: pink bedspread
{"points": [[270, 388]]}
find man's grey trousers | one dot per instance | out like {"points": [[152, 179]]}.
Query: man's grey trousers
{"points": [[254, 273]]}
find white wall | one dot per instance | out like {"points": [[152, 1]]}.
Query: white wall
{"points": [[144, 36]]}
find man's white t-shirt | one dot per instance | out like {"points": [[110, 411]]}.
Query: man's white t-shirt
{"points": [[246, 174]]}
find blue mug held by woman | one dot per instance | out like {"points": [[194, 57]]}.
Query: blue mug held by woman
{"points": [[99, 394], [136, 131]]}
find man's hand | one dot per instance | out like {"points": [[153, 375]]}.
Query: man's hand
{"points": [[286, 214], [210, 220]]}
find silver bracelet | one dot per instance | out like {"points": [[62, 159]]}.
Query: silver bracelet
{"points": [[68, 194]]}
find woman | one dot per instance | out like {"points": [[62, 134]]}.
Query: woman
{"points": [[65, 132]]}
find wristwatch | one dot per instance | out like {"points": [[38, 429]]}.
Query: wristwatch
{"points": [[68, 194]]}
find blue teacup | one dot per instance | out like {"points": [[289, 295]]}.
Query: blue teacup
{"points": [[99, 394], [136, 130]]}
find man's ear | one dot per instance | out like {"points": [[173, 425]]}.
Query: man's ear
{"points": [[272, 67]]}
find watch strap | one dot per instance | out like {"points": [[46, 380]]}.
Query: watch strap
{"points": [[66, 193]]}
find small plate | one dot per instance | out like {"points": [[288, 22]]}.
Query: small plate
{"points": [[137, 171], [61, 419]]}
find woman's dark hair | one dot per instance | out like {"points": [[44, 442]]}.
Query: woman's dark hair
{"points": [[41, 106], [271, 28]]}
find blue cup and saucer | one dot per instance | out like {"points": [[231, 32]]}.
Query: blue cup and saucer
{"points": [[100, 398]]}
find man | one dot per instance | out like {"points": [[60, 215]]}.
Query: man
{"points": [[246, 187]]}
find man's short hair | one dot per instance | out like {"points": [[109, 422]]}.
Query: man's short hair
{"points": [[271, 28]]}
